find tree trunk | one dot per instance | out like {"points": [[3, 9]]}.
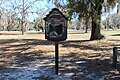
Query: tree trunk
{"points": [[86, 28], [42, 29], [95, 29], [22, 28], [118, 9], [23, 17]]}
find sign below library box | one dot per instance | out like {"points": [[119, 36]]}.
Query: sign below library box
{"points": [[55, 25]]}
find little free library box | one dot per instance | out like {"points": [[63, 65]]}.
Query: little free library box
{"points": [[55, 25]]}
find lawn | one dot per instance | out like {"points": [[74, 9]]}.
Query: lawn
{"points": [[31, 57]]}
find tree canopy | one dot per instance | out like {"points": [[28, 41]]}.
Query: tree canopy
{"points": [[17, 14], [88, 9]]}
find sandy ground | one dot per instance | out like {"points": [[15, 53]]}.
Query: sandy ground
{"points": [[31, 57]]}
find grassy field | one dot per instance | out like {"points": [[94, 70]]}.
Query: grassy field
{"points": [[114, 35], [72, 35], [79, 57]]}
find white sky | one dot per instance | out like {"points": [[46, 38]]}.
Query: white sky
{"points": [[43, 6], [112, 11]]}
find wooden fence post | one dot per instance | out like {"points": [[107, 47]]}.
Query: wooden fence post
{"points": [[56, 58], [115, 53]]}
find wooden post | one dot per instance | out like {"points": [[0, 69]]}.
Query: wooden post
{"points": [[115, 53], [56, 58]]}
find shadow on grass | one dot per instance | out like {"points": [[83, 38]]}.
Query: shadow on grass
{"points": [[115, 35], [78, 44], [77, 66], [18, 51], [77, 33], [116, 41], [26, 41]]}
